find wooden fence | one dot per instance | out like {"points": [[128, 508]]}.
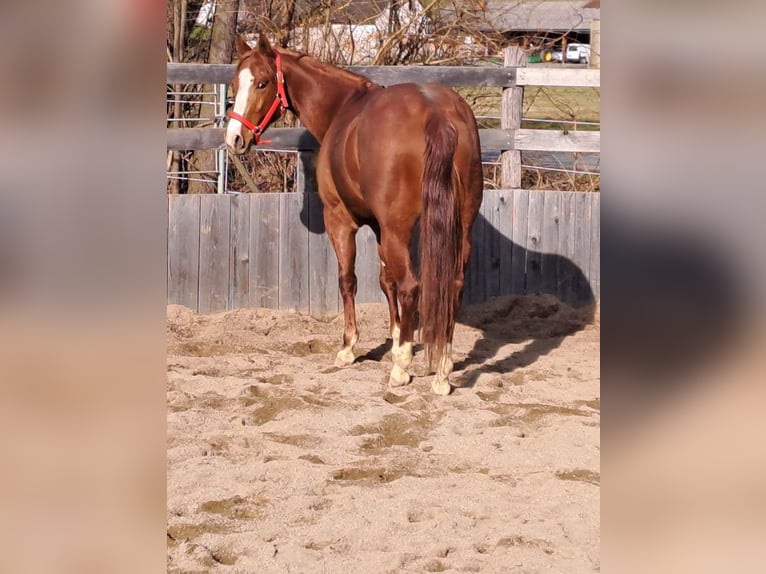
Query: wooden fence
{"points": [[511, 139], [270, 250]]}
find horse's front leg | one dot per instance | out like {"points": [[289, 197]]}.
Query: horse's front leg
{"points": [[388, 286], [343, 239]]}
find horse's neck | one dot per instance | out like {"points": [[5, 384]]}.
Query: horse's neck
{"points": [[317, 91]]}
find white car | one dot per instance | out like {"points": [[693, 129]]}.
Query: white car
{"points": [[575, 53], [578, 53]]}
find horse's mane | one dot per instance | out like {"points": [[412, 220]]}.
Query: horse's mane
{"points": [[310, 61]]}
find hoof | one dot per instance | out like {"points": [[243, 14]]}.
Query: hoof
{"points": [[441, 387], [344, 358], [399, 377], [394, 383], [440, 383]]}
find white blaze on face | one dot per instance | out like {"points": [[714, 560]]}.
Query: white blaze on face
{"points": [[234, 128]]}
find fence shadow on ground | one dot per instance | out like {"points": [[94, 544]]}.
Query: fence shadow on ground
{"points": [[550, 300], [540, 319]]}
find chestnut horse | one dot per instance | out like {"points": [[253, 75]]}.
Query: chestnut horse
{"points": [[388, 158]]}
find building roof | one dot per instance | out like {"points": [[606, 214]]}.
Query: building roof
{"points": [[345, 12], [357, 11], [538, 15]]}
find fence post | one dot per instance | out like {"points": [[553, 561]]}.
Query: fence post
{"points": [[220, 116], [595, 44], [511, 108]]}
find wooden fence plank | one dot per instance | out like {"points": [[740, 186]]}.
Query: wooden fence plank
{"points": [[594, 275], [492, 139], [567, 271], [183, 250], [178, 73], [549, 242], [475, 288], [503, 234], [505, 77], [485, 76], [286, 139], [323, 264], [194, 138], [568, 77], [582, 232], [214, 250], [557, 140], [533, 240], [519, 240], [492, 244], [185, 73], [239, 254], [264, 250], [292, 139], [293, 254], [368, 267]]}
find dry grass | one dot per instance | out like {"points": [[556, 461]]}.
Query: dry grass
{"points": [[570, 104], [269, 172], [559, 181], [555, 105], [532, 178]]}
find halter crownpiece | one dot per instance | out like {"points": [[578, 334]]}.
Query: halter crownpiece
{"points": [[280, 103]]}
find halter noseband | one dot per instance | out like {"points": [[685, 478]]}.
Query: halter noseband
{"points": [[280, 103]]}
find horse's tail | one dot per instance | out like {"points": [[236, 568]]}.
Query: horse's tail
{"points": [[440, 240]]}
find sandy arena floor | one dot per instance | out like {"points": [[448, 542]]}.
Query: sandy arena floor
{"points": [[280, 462]]}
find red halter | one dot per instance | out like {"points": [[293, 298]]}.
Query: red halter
{"points": [[280, 103]]}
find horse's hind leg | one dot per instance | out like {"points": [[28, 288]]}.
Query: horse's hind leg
{"points": [[440, 384], [396, 255], [343, 238]]}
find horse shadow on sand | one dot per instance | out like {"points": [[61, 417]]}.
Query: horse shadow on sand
{"points": [[552, 301]]}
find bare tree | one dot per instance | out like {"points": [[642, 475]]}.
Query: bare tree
{"points": [[435, 32], [224, 32], [221, 51], [176, 32], [288, 23]]}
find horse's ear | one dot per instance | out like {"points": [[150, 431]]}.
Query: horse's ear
{"points": [[264, 47], [242, 46]]}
